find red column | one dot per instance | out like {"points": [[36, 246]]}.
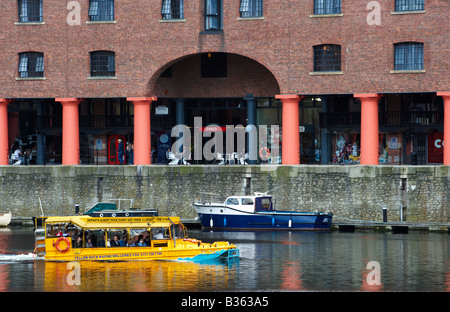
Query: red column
{"points": [[446, 97], [290, 153], [4, 148], [70, 131], [369, 128], [142, 137]]}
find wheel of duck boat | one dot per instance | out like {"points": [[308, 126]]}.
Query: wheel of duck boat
{"points": [[56, 244], [264, 153]]}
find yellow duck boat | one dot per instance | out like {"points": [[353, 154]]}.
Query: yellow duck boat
{"points": [[74, 238]]}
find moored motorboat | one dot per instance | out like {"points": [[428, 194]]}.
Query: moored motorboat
{"points": [[5, 218], [257, 213], [73, 238]]}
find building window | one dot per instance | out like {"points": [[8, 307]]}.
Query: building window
{"points": [[409, 5], [101, 10], [408, 56], [31, 65], [327, 7], [214, 65], [103, 64], [172, 9], [251, 8], [327, 58], [30, 11], [213, 15]]}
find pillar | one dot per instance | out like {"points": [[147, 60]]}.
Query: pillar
{"points": [[446, 97], [70, 131], [180, 117], [369, 128], [252, 144], [142, 135], [324, 136], [290, 152], [4, 148]]}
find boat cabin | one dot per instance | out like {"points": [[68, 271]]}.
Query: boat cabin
{"points": [[91, 232], [256, 203]]}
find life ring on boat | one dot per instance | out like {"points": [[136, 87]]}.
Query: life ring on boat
{"points": [[264, 153], [56, 244]]}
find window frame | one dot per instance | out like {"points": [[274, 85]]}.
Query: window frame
{"points": [[172, 10], [213, 15], [327, 7], [327, 62], [98, 11], [29, 60], [102, 70], [407, 5], [34, 11], [412, 52], [251, 8]]}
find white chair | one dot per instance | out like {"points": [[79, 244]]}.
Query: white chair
{"points": [[220, 158], [173, 158]]}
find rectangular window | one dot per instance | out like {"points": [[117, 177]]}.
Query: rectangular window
{"points": [[31, 65], [30, 11], [214, 65], [408, 56], [101, 10], [251, 8], [172, 9], [213, 15], [409, 5], [327, 58], [327, 7], [103, 64]]}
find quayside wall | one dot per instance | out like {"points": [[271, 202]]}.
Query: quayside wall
{"points": [[414, 193]]}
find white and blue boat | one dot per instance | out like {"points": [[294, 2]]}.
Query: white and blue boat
{"points": [[257, 213]]}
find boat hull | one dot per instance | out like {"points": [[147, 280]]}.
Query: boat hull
{"points": [[5, 218], [226, 218]]}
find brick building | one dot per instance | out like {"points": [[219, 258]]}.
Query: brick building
{"points": [[345, 80]]}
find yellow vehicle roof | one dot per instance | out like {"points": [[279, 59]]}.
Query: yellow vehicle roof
{"points": [[116, 222]]}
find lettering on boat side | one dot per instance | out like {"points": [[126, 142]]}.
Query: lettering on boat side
{"points": [[134, 219], [118, 256]]}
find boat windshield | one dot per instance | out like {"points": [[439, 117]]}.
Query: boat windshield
{"points": [[232, 201]]}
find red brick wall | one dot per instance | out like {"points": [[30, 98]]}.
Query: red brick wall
{"points": [[281, 43]]}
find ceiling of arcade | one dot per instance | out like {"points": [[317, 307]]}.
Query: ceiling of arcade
{"points": [[231, 76]]}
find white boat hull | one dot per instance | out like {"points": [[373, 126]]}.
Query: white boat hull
{"points": [[5, 218]]}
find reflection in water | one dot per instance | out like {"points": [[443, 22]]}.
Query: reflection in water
{"points": [[133, 276], [279, 261]]}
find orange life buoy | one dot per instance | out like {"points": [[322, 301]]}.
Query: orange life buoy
{"points": [[56, 244], [266, 155]]}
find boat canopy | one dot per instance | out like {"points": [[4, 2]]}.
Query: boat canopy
{"points": [[88, 222]]}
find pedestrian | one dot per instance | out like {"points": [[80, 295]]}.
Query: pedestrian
{"points": [[120, 151]]}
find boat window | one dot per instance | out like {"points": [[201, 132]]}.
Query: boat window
{"points": [[178, 231], [57, 230], [247, 201], [160, 233], [232, 201], [139, 238], [94, 238], [117, 238]]}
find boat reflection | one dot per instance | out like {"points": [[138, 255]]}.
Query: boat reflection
{"points": [[135, 276]]}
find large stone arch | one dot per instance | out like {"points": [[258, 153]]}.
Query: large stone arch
{"points": [[244, 76]]}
